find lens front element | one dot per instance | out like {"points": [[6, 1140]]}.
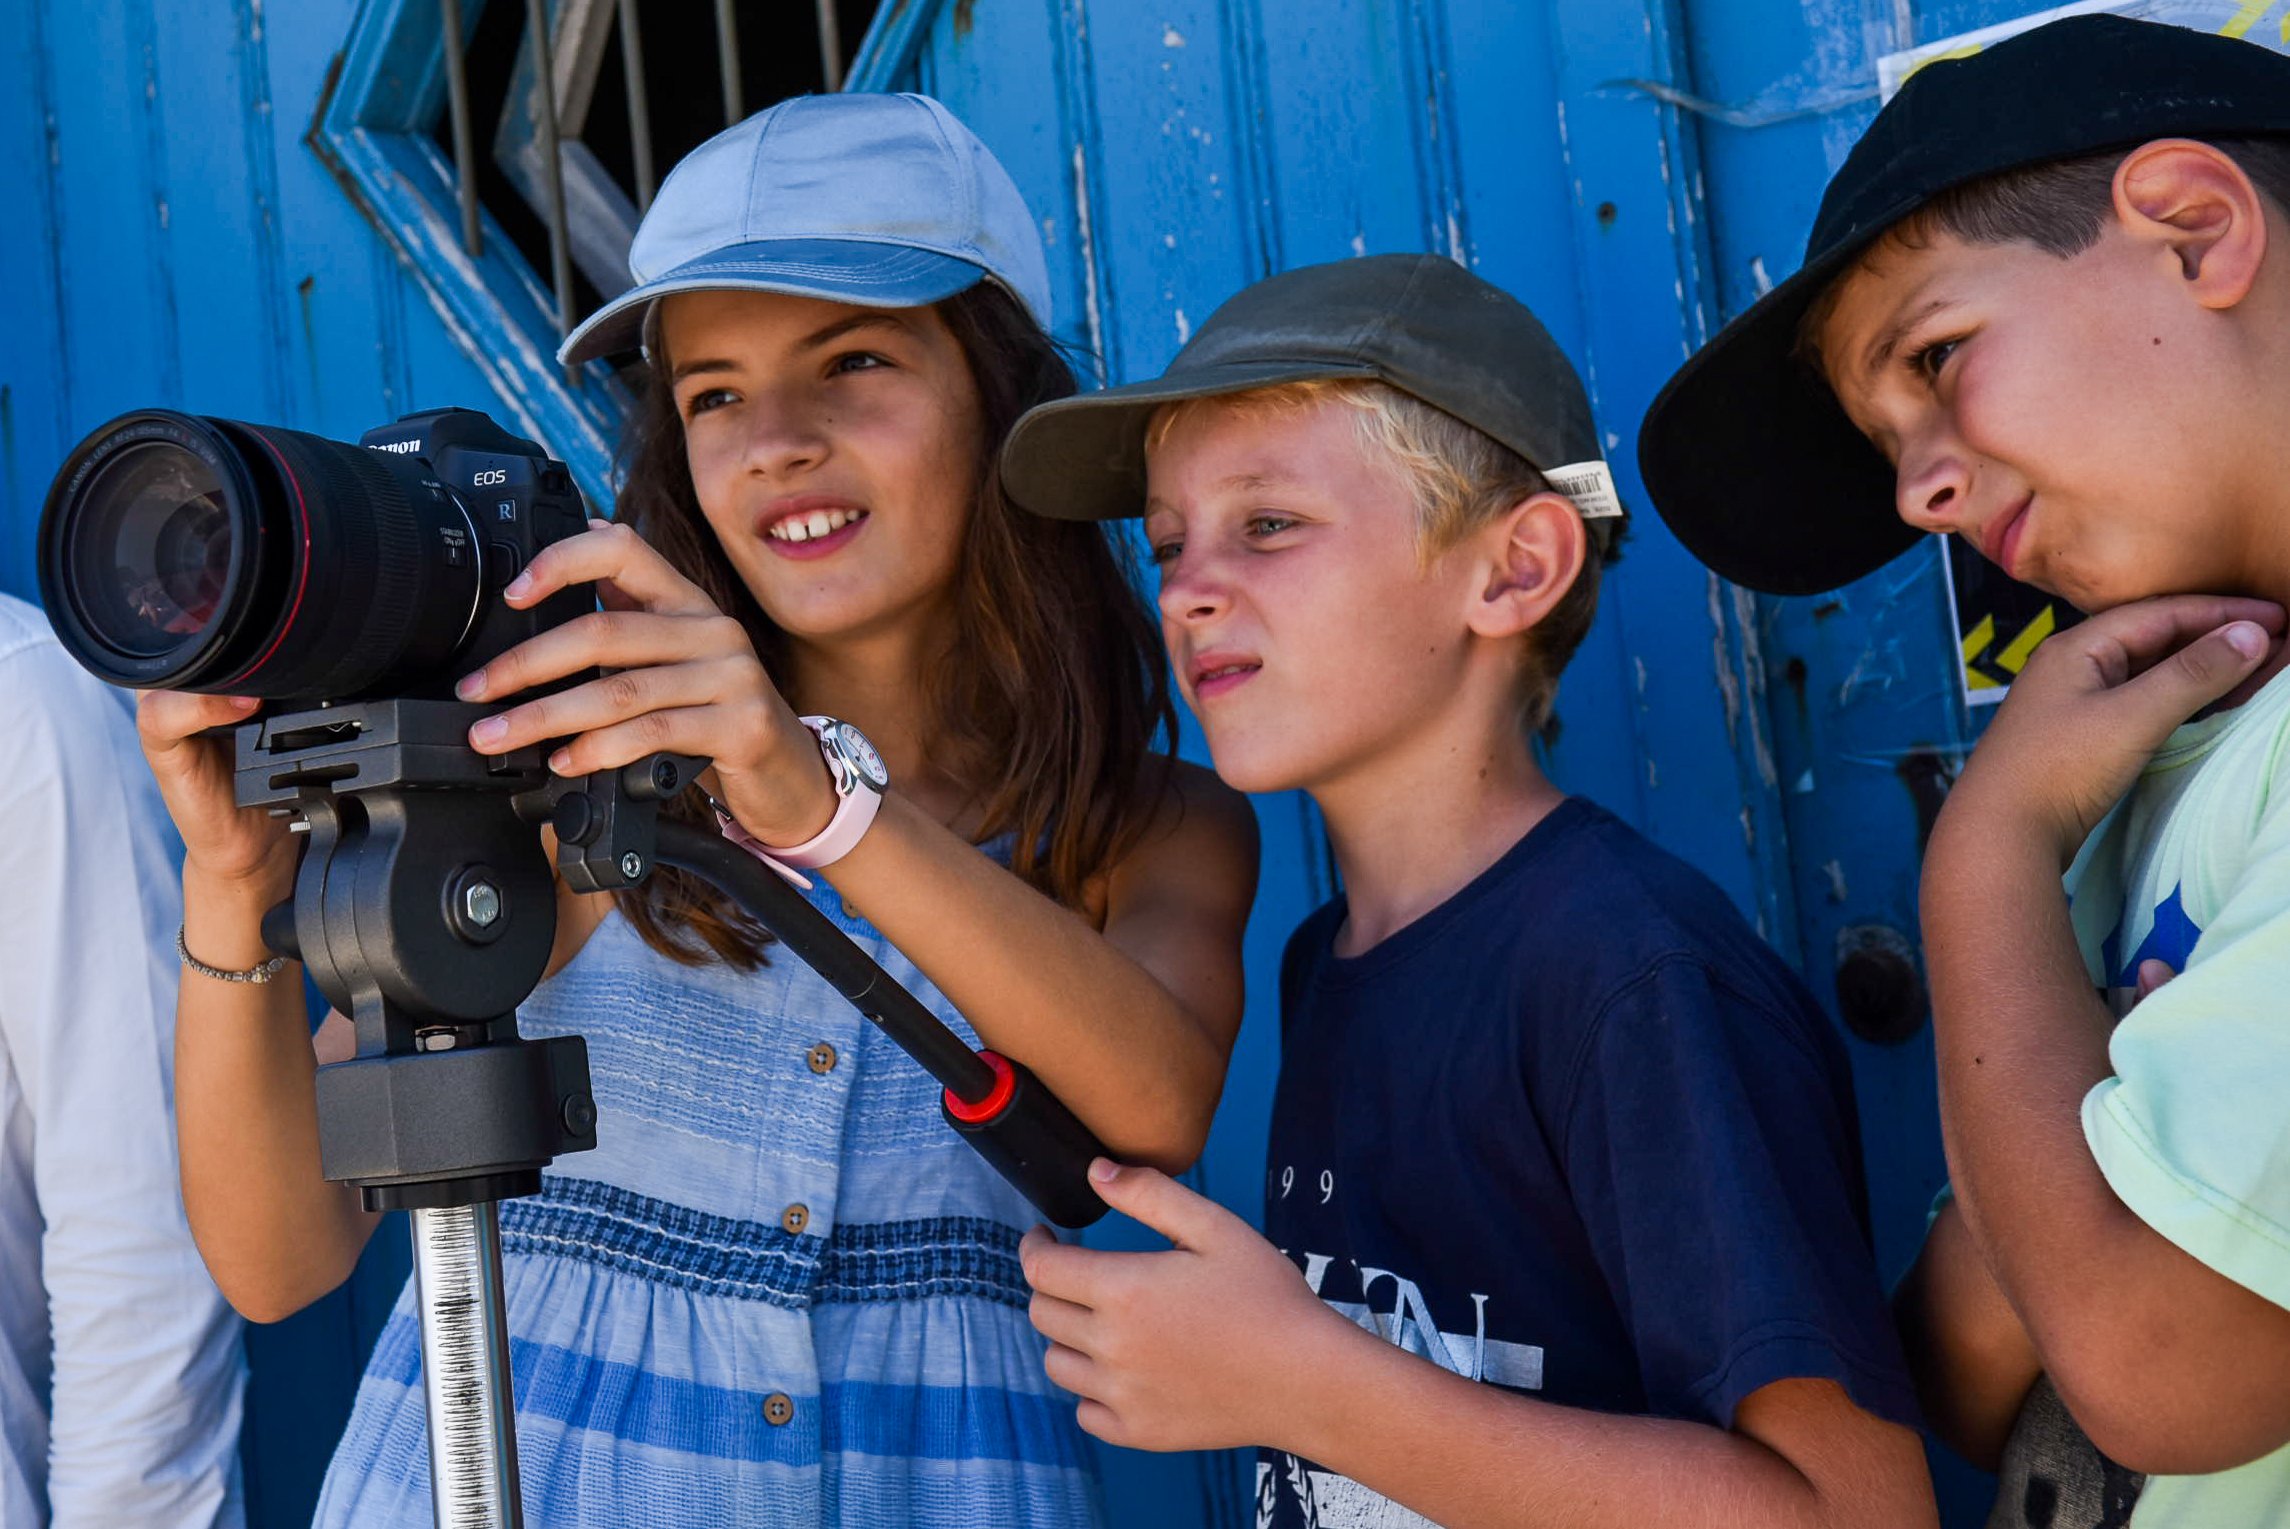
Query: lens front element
{"points": [[151, 560]]}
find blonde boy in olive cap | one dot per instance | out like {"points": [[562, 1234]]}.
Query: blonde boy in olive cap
{"points": [[1563, 1160], [2046, 307]]}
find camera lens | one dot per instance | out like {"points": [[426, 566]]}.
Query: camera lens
{"points": [[157, 549], [184, 553]]}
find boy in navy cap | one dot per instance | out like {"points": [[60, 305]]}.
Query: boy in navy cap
{"points": [[2046, 306], [1563, 1159]]}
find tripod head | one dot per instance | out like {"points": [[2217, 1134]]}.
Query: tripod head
{"points": [[425, 911]]}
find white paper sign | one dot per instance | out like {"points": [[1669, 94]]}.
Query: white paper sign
{"points": [[2259, 21]]}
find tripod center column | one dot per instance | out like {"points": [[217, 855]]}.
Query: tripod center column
{"points": [[465, 1362]]}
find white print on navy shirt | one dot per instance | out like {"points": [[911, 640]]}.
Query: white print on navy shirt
{"points": [[1325, 1500], [1409, 1323], [1472, 1355]]}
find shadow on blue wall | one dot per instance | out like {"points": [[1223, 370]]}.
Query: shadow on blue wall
{"points": [[303, 1375]]}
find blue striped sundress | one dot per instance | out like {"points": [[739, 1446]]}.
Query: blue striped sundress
{"points": [[779, 1292]]}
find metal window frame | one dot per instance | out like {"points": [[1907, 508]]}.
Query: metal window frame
{"points": [[601, 218], [372, 128]]}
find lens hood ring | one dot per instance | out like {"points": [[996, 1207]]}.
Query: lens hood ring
{"points": [[87, 602]]}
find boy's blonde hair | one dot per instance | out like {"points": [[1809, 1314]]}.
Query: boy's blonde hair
{"points": [[1462, 478]]}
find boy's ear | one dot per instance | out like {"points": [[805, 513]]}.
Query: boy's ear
{"points": [[1532, 555], [2196, 202]]}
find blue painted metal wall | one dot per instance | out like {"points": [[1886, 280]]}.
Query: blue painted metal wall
{"points": [[176, 235]]}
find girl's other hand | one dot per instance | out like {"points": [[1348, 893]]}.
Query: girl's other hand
{"points": [[221, 840], [688, 682]]}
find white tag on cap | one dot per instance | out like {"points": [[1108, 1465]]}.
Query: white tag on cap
{"points": [[1590, 485]]}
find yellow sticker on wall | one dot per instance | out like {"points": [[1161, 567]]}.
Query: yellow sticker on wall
{"points": [[1999, 621]]}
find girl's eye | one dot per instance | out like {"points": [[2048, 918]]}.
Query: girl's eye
{"points": [[856, 361], [1162, 554], [1269, 523], [700, 403], [1929, 359]]}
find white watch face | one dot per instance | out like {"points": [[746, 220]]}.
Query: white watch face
{"points": [[861, 753]]}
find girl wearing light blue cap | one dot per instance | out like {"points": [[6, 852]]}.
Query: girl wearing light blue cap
{"points": [[780, 1291]]}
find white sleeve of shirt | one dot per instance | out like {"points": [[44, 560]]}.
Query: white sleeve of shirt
{"points": [[147, 1370]]}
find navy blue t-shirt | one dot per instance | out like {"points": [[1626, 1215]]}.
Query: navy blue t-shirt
{"points": [[1577, 1132]]}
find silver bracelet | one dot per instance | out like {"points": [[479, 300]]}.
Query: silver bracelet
{"points": [[262, 973]]}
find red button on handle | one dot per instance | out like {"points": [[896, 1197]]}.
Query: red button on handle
{"points": [[997, 1099]]}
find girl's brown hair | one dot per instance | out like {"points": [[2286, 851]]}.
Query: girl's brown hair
{"points": [[1051, 703]]}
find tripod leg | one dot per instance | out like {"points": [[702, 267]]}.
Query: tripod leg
{"points": [[465, 1367]]}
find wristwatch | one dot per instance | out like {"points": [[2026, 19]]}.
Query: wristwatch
{"points": [[860, 781]]}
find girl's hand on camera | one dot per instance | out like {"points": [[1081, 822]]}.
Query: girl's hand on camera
{"points": [[688, 682], [221, 839]]}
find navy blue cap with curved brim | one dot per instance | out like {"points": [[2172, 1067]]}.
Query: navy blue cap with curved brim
{"points": [[1746, 453]]}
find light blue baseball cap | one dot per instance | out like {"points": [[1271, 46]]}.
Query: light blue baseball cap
{"points": [[885, 201]]}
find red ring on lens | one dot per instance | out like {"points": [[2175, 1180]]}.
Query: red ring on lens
{"points": [[302, 576]]}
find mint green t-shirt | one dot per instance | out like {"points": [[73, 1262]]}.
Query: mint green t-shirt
{"points": [[2193, 1130]]}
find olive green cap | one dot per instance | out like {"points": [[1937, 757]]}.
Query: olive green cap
{"points": [[1421, 323]]}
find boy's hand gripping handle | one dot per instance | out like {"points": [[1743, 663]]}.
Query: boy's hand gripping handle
{"points": [[1032, 1140], [1001, 1109]]}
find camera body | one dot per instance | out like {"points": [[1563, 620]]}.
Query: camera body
{"points": [[516, 500], [179, 552]]}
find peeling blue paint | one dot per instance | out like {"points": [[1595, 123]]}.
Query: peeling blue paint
{"points": [[307, 266]]}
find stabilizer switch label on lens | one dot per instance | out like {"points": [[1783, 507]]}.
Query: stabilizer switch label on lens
{"points": [[456, 545]]}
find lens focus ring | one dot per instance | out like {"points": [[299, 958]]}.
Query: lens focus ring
{"points": [[382, 603]]}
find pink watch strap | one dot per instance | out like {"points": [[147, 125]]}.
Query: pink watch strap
{"points": [[855, 811]]}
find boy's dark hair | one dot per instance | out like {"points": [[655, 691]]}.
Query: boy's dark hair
{"points": [[2059, 206]]}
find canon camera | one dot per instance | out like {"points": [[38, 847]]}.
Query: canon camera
{"points": [[180, 552]]}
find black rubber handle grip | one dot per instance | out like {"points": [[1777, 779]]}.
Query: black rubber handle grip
{"points": [[1032, 1140]]}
